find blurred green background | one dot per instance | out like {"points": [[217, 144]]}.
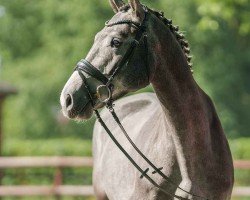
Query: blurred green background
{"points": [[41, 41]]}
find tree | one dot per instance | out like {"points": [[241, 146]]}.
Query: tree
{"points": [[42, 40]]}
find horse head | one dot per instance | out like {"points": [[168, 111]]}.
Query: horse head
{"points": [[82, 92]]}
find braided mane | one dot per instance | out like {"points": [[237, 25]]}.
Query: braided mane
{"points": [[180, 37]]}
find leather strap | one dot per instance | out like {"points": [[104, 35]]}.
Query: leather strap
{"points": [[156, 169], [129, 53], [143, 172], [89, 69]]}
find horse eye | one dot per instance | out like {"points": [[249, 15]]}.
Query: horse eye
{"points": [[115, 43]]}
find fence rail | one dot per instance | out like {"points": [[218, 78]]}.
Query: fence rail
{"points": [[57, 189], [242, 164], [70, 190], [61, 190], [55, 162]]}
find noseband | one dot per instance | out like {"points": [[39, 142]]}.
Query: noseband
{"points": [[85, 66]]}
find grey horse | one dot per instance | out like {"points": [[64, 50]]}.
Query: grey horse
{"points": [[177, 127]]}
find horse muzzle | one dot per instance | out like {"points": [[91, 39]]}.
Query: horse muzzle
{"points": [[74, 99]]}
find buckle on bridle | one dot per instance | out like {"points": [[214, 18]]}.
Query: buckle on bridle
{"points": [[103, 93]]}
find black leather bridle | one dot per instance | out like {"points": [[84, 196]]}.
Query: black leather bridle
{"points": [[88, 68], [85, 66]]}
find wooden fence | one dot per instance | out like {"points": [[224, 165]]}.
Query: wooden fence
{"points": [[57, 189]]}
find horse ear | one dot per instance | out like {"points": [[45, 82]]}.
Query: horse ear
{"points": [[116, 4], [137, 8]]}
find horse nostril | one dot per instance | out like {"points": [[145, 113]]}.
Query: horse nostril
{"points": [[69, 102]]}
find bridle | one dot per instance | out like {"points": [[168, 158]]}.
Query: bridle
{"points": [[88, 68], [85, 66]]}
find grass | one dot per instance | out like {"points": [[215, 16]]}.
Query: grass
{"points": [[51, 147]]}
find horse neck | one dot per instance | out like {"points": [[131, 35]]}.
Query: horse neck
{"points": [[172, 80], [184, 104]]}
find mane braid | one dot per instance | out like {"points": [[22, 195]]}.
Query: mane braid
{"points": [[180, 37]]}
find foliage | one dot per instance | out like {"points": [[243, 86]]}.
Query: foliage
{"points": [[44, 147], [40, 41], [45, 176], [219, 36], [240, 148], [75, 147], [222, 32]]}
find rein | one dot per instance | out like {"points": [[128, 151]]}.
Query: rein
{"points": [[85, 66]]}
